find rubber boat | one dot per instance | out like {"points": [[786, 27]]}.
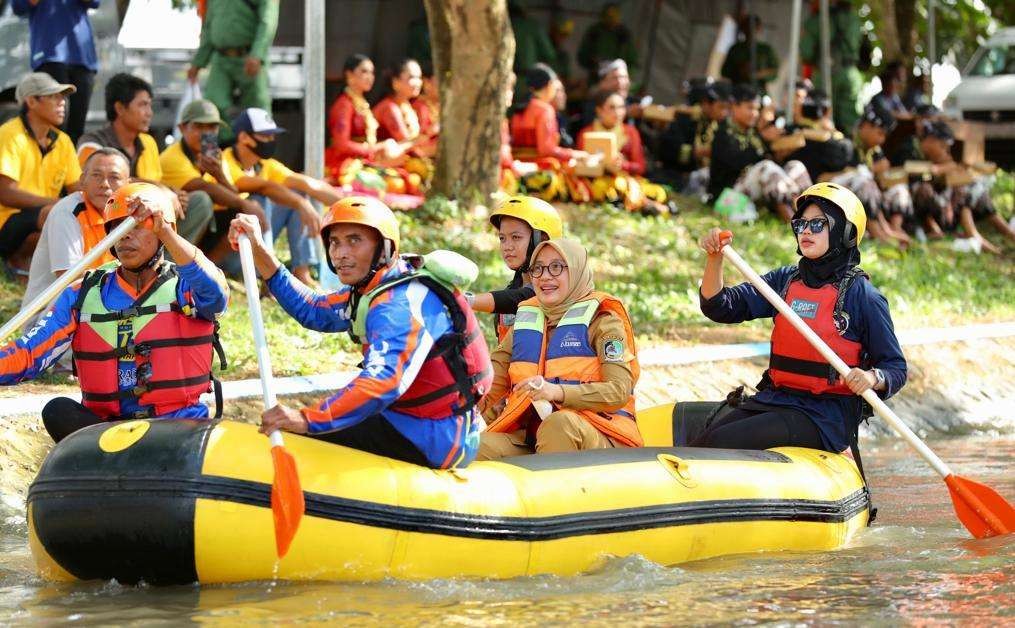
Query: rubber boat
{"points": [[175, 501]]}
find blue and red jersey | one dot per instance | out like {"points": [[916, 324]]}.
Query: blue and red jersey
{"points": [[402, 325], [28, 356]]}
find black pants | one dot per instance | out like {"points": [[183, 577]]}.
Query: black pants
{"points": [[64, 416], [17, 229], [760, 426], [82, 78], [376, 435]]}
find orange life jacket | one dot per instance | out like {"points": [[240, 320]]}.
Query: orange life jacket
{"points": [[797, 365], [92, 230], [567, 357]]}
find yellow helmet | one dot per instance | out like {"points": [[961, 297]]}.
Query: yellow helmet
{"points": [[842, 198], [363, 210], [535, 212], [116, 207]]}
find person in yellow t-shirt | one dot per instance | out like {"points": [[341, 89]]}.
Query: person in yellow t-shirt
{"points": [[129, 111], [195, 163], [37, 166], [281, 191]]}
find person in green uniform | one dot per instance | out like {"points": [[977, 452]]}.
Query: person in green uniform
{"points": [[845, 37], [606, 40], [235, 37], [738, 65], [532, 46]]}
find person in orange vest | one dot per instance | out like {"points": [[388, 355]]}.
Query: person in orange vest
{"points": [[522, 222], [801, 399], [142, 331], [567, 369]]}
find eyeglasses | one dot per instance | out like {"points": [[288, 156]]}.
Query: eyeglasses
{"points": [[816, 225], [554, 268]]}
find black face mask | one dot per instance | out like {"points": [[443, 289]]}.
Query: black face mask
{"points": [[265, 150]]}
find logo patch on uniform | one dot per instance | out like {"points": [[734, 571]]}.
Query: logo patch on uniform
{"points": [[613, 350], [804, 309]]}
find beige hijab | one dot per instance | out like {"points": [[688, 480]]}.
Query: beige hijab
{"points": [[577, 259]]}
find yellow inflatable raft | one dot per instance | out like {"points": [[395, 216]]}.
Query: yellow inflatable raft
{"points": [[183, 501]]}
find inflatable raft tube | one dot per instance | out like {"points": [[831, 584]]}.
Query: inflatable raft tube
{"points": [[177, 501]]}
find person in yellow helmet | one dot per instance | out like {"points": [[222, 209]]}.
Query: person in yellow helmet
{"points": [[425, 362], [141, 329], [801, 400], [522, 222]]}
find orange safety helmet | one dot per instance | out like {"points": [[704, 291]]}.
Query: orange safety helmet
{"points": [[116, 207], [367, 211]]}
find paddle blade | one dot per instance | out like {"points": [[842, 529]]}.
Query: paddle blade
{"points": [[287, 504], [980, 508]]}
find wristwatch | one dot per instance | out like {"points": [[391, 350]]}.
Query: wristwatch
{"points": [[470, 298], [880, 377]]}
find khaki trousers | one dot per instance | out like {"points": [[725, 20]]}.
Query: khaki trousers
{"points": [[561, 431]]}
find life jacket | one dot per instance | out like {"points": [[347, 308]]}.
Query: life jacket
{"points": [[794, 363], [170, 345], [457, 370], [503, 323], [567, 357], [92, 230]]}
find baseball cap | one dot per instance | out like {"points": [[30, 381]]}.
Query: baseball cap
{"points": [[938, 129], [40, 84], [256, 120], [202, 112]]}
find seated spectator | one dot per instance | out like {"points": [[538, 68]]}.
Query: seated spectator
{"points": [[560, 106], [75, 225], [893, 83], [943, 207], [613, 77], [909, 148], [129, 112], [567, 368], [887, 208], [195, 164], [357, 157], [279, 190], [825, 150], [685, 147], [428, 105], [397, 120], [37, 165], [741, 159]]}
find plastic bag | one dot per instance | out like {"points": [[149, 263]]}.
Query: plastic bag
{"points": [[191, 92]]}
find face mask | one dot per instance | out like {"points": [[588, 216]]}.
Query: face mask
{"points": [[264, 150]]}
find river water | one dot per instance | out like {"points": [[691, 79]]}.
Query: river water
{"points": [[916, 565]]}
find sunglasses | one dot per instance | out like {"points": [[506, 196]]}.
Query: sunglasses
{"points": [[554, 268], [816, 225]]}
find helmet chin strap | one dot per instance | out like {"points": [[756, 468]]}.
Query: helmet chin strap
{"points": [[382, 258], [537, 237]]}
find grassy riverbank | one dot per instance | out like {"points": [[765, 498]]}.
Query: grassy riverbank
{"points": [[654, 265]]}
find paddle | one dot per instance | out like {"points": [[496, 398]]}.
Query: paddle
{"points": [[67, 278], [979, 507], [287, 505]]}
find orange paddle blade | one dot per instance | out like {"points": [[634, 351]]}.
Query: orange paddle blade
{"points": [[980, 508], [287, 504]]}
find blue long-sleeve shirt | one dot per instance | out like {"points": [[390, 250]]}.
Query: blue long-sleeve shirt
{"points": [[28, 356], [60, 31], [401, 328], [870, 324]]}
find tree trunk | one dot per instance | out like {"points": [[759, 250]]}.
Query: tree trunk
{"points": [[905, 23], [473, 48], [888, 31]]}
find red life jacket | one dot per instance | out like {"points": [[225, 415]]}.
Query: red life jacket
{"points": [[794, 363], [171, 347], [457, 371]]}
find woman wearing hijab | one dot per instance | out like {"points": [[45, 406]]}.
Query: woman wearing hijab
{"points": [[522, 222], [801, 400], [567, 367]]}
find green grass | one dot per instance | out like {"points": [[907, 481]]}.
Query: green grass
{"points": [[654, 264]]}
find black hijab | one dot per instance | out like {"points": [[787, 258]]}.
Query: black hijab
{"points": [[842, 253]]}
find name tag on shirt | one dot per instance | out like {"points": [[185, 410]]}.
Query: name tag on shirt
{"points": [[804, 309]]}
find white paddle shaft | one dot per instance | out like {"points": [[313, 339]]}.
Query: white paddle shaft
{"points": [[870, 395], [257, 325], [66, 279]]}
